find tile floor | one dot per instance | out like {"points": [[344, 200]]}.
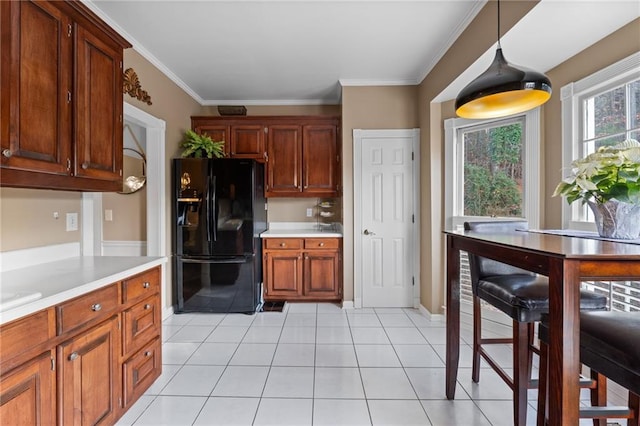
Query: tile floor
{"points": [[316, 364]]}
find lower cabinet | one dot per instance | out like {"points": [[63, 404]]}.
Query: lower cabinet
{"points": [[88, 358], [28, 393], [302, 268], [89, 379]]}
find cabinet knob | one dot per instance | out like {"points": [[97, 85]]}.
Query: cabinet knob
{"points": [[147, 306], [321, 244], [7, 153], [96, 307], [145, 284], [283, 245], [73, 356], [85, 165], [147, 353]]}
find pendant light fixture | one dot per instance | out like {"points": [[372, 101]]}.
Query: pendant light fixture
{"points": [[503, 89]]}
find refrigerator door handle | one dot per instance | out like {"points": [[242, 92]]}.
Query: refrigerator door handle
{"points": [[207, 209], [213, 209], [224, 261]]}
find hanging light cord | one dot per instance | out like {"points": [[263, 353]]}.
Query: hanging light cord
{"points": [[499, 46]]}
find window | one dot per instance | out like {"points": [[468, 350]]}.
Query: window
{"points": [[493, 169], [599, 110]]}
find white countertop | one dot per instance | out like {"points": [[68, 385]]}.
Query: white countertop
{"points": [[64, 279], [300, 230]]}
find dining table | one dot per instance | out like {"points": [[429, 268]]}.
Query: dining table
{"points": [[566, 259]]}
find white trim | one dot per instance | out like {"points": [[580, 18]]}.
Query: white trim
{"points": [[270, 102], [347, 304], [358, 135], [345, 82], [432, 317], [570, 97], [15, 259], [124, 248]]}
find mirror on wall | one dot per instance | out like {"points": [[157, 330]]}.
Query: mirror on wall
{"points": [[134, 161]]}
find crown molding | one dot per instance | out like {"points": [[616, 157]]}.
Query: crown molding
{"points": [[367, 82]]}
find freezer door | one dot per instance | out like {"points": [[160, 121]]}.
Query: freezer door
{"points": [[217, 285], [193, 203]]}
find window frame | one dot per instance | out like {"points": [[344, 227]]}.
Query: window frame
{"points": [[531, 154], [572, 96]]}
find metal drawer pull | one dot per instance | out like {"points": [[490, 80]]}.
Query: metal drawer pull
{"points": [[7, 153], [145, 284], [283, 245], [321, 244], [147, 353], [96, 307], [147, 306], [85, 165], [73, 356]]}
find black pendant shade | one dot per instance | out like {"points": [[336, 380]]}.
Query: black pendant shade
{"points": [[502, 90]]}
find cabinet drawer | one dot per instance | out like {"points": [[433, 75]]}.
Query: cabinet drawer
{"points": [[141, 370], [88, 308], [141, 285], [283, 243], [23, 334], [321, 243], [141, 324]]}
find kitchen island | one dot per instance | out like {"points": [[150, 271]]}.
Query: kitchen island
{"points": [[82, 331]]}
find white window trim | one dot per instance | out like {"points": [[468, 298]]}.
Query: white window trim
{"points": [[571, 95], [531, 162]]}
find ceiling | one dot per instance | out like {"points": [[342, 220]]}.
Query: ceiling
{"points": [[301, 52]]}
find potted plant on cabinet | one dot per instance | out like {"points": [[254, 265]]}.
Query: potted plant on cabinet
{"points": [[608, 180], [201, 146]]}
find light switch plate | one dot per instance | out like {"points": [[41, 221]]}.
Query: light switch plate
{"points": [[72, 221], [309, 212]]}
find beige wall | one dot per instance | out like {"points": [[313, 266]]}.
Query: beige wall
{"points": [[26, 218], [129, 215], [333, 110], [368, 108], [607, 51], [472, 43]]}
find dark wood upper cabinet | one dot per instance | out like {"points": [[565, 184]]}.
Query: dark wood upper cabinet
{"points": [[302, 153], [61, 106], [284, 160]]}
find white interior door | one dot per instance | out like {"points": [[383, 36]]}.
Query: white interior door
{"points": [[386, 228]]}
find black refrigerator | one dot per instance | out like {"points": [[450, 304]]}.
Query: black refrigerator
{"points": [[219, 213]]}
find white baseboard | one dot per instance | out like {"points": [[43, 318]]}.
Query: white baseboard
{"points": [[124, 248], [167, 312], [347, 304], [16, 259], [433, 317]]}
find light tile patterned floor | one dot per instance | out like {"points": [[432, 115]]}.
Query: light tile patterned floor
{"points": [[316, 364]]}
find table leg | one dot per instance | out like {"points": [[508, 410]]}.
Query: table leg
{"points": [[453, 318], [564, 342]]}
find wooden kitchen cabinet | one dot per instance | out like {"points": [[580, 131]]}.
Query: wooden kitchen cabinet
{"points": [[95, 354], [89, 376], [28, 393], [302, 153], [242, 138], [302, 268], [61, 109]]}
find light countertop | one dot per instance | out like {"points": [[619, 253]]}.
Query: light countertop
{"points": [[301, 230], [65, 279]]}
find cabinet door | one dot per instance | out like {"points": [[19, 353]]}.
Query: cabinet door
{"points": [[217, 133], [284, 160], [35, 124], [141, 323], [321, 275], [320, 160], [247, 141], [89, 378], [28, 393], [282, 274], [141, 370], [98, 117]]}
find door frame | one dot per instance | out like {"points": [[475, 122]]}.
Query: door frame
{"points": [[358, 136], [91, 208]]}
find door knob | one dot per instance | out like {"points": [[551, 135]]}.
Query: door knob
{"points": [[367, 232]]}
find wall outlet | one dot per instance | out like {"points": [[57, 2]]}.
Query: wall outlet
{"points": [[108, 215], [309, 212], [72, 221]]}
